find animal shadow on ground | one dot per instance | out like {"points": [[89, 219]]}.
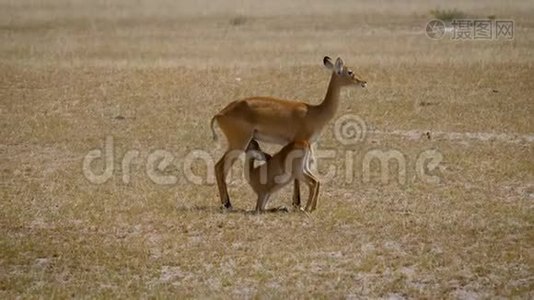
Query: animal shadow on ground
{"points": [[215, 209]]}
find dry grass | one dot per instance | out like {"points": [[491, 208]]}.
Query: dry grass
{"points": [[152, 74]]}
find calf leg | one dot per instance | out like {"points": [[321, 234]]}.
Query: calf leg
{"points": [[296, 194], [313, 185], [261, 203]]}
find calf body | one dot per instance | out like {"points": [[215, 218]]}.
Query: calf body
{"points": [[290, 163]]}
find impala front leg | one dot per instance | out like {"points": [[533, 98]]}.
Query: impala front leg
{"points": [[313, 185], [311, 161]]}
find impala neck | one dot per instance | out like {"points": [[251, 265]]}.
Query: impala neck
{"points": [[330, 103]]}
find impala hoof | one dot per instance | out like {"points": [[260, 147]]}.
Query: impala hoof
{"points": [[227, 207]]}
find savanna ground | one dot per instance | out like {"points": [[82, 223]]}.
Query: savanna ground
{"points": [[151, 74]]}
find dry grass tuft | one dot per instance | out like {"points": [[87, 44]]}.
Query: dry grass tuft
{"points": [[448, 14]]}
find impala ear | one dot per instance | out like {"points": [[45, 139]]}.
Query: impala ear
{"points": [[327, 61], [339, 66]]}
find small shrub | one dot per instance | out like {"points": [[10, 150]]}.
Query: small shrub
{"points": [[238, 20], [447, 15]]}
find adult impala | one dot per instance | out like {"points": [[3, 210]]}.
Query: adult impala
{"points": [[277, 121]]}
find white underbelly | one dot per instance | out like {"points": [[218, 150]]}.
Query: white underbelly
{"points": [[270, 139], [266, 138]]}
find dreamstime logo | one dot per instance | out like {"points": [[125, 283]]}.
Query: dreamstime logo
{"points": [[350, 129], [162, 166]]}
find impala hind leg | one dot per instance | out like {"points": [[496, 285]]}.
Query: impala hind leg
{"points": [[238, 139], [222, 167]]}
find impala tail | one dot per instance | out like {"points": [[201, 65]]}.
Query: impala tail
{"points": [[213, 132]]}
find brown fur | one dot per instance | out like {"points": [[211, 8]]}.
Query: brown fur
{"points": [[290, 163]]}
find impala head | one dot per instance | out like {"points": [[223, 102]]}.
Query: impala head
{"points": [[347, 76]]}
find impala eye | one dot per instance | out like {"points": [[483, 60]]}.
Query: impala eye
{"points": [[350, 72]]}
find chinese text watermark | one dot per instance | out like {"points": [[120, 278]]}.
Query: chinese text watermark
{"points": [[471, 29]]}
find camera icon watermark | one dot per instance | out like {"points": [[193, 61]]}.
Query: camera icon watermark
{"points": [[435, 29]]}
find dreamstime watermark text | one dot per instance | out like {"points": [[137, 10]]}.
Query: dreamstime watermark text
{"points": [[345, 163]]}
